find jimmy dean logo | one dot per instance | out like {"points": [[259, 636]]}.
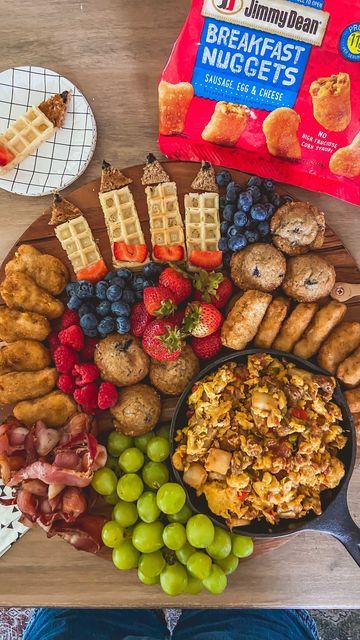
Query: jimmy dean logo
{"points": [[281, 17]]}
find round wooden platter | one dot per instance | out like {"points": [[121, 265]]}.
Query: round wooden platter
{"points": [[42, 236]]}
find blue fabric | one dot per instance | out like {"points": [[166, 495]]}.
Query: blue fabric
{"points": [[146, 624]]}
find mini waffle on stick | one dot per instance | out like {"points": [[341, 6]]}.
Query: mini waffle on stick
{"points": [[166, 225], [202, 224]]}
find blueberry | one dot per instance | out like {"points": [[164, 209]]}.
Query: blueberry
{"points": [[240, 219], [275, 199], [106, 325], [268, 184], [103, 308], [232, 231], [264, 199], [263, 228], [74, 302], [101, 289], [149, 283], [121, 308], [236, 243], [255, 192], [88, 321], [124, 273], [228, 213], [269, 210], [259, 212], [70, 288], [223, 178], [254, 181], [109, 276], [90, 333], [119, 282], [251, 236], [285, 199], [84, 309], [224, 227], [128, 296], [226, 260], [232, 191], [122, 324], [137, 283], [114, 293], [152, 271], [84, 289], [245, 201], [223, 244], [222, 202], [139, 295]]}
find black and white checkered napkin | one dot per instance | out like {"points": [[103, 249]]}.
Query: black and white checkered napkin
{"points": [[60, 160], [10, 527]]}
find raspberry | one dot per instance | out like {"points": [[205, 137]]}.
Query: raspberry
{"points": [[85, 373], [70, 317], [66, 383], [87, 353], [65, 359], [108, 395], [87, 396], [73, 337], [54, 341]]}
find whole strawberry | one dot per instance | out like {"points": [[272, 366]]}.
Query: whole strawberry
{"points": [[178, 282], [159, 301], [201, 319], [139, 319], [208, 347], [162, 341], [213, 287]]}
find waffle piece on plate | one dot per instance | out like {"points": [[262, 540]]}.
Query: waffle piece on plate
{"points": [[123, 226], [31, 129], [77, 240], [153, 172], [205, 179], [202, 223], [166, 225]]}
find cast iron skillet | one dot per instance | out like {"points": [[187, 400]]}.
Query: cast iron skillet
{"points": [[335, 519]]}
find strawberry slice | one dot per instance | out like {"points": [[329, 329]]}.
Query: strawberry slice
{"points": [[5, 156], [130, 252], [168, 254], [94, 272], [206, 259]]}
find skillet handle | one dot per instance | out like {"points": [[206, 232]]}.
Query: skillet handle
{"points": [[339, 523]]}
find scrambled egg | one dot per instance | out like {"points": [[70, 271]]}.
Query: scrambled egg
{"points": [[261, 440]]}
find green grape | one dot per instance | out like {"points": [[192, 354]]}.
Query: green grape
{"points": [[229, 564], [221, 545], [152, 564], [164, 431], [181, 516], [171, 497], [173, 579], [147, 537], [216, 582], [155, 474], [174, 536], [130, 487], [112, 498], [158, 449], [112, 463], [118, 442], [184, 553], [147, 507], [199, 565], [146, 580], [194, 585], [200, 531], [125, 556], [242, 546], [131, 460], [141, 442], [112, 534], [125, 513], [104, 481]]}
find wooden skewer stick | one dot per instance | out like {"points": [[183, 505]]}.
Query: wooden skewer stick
{"points": [[343, 291]]}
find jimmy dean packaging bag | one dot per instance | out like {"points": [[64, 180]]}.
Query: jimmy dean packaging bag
{"points": [[269, 87]]}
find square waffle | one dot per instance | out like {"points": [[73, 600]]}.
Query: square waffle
{"points": [[166, 225], [77, 240], [25, 135], [202, 223]]}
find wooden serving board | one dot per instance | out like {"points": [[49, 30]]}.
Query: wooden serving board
{"points": [[42, 236]]}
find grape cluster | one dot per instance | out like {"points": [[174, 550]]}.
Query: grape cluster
{"points": [[153, 529]]}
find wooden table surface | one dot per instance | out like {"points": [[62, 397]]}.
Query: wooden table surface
{"points": [[114, 51]]}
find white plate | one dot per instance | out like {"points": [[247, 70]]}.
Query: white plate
{"points": [[60, 160]]}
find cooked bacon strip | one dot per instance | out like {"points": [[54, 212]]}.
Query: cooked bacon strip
{"points": [[28, 503], [84, 534], [45, 439], [50, 474]]}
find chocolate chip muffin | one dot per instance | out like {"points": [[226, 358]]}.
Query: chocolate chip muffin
{"points": [[259, 266], [308, 278], [137, 410], [121, 360], [297, 227], [171, 377]]}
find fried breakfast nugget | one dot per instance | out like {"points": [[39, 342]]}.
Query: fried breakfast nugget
{"points": [[353, 399], [26, 385], [341, 342], [294, 326], [174, 102], [346, 160], [18, 325], [323, 323], [19, 291], [55, 409], [348, 371], [47, 271], [227, 123], [331, 101], [24, 355], [244, 319], [271, 322], [280, 128]]}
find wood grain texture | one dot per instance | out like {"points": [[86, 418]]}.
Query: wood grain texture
{"points": [[114, 51]]}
